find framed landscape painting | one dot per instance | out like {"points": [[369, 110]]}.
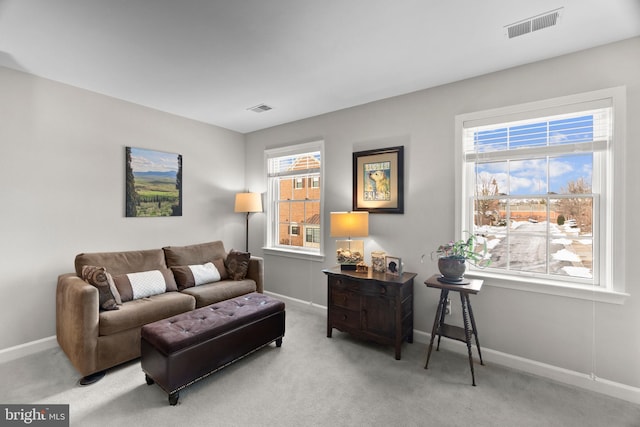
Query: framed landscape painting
{"points": [[378, 180], [153, 183]]}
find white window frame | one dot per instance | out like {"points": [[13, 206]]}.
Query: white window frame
{"points": [[272, 245], [611, 207]]}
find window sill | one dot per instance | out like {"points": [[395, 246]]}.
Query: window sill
{"points": [[288, 253], [568, 290]]}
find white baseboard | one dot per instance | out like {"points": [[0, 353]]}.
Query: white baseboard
{"points": [[566, 376], [22, 350], [298, 303], [555, 373]]}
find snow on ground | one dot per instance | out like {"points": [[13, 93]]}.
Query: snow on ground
{"points": [[562, 241], [566, 255], [494, 235], [492, 243], [578, 272]]}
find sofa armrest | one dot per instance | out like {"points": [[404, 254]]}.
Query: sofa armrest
{"points": [[77, 317], [256, 272]]}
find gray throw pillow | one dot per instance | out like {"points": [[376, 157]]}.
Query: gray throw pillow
{"points": [[237, 264]]}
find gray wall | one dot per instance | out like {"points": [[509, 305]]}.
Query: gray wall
{"points": [[62, 189], [574, 334]]}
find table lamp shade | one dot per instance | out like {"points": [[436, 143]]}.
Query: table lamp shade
{"points": [[349, 224], [248, 202], [349, 253]]}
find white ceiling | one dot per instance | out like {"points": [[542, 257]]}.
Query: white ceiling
{"points": [[210, 60]]}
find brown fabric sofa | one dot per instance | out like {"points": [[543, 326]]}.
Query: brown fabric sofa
{"points": [[95, 339]]}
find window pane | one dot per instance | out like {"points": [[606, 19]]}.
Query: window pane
{"points": [[517, 235], [286, 189], [284, 212], [491, 178], [571, 174], [528, 176], [571, 238], [284, 238], [297, 212]]}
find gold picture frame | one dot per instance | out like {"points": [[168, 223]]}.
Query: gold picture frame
{"points": [[378, 180]]}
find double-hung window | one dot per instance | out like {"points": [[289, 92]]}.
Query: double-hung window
{"points": [[537, 189], [294, 196]]}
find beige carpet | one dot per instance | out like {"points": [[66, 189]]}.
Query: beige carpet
{"points": [[317, 381]]}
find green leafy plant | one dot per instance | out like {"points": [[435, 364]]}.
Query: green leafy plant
{"points": [[467, 249]]}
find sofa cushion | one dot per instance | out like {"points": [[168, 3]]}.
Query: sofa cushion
{"points": [[108, 295], [143, 284], [220, 291], [237, 264], [188, 276], [122, 262], [194, 254], [135, 314]]}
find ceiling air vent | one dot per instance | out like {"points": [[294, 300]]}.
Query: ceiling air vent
{"points": [[535, 23], [260, 108]]}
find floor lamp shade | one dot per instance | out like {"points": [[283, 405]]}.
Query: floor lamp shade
{"points": [[349, 224], [248, 203]]}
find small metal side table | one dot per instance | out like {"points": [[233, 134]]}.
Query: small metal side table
{"points": [[441, 329]]}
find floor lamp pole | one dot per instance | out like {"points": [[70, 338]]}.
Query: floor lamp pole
{"points": [[246, 244]]}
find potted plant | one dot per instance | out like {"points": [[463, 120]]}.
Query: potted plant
{"points": [[453, 256]]}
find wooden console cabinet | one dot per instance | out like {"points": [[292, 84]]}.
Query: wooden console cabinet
{"points": [[372, 306]]}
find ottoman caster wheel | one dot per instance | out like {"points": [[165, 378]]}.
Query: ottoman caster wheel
{"points": [[148, 379], [173, 398]]}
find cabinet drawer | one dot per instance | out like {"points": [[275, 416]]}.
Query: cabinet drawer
{"points": [[345, 299], [344, 319], [343, 284], [378, 290]]}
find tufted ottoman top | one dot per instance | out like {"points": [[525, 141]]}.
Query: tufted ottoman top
{"points": [[186, 329]]}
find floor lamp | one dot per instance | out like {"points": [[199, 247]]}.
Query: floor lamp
{"points": [[248, 203]]}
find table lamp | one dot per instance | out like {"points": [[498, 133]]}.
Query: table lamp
{"points": [[248, 203], [349, 224]]}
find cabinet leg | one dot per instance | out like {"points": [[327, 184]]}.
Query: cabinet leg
{"points": [[148, 379], [173, 398]]}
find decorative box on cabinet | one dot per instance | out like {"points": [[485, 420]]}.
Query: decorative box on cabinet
{"points": [[372, 306]]}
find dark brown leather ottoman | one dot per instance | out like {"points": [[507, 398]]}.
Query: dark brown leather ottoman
{"points": [[180, 350]]}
